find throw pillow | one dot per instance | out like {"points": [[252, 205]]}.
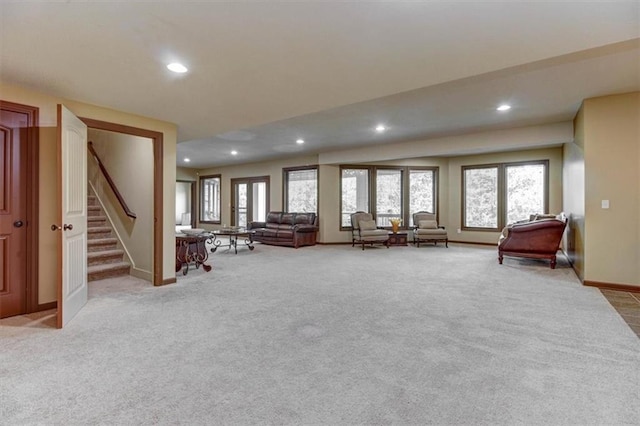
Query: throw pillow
{"points": [[367, 225], [428, 224]]}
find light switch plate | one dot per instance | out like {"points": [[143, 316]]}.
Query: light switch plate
{"points": [[605, 204]]}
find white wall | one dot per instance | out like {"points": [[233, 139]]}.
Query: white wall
{"points": [[612, 172], [129, 161]]}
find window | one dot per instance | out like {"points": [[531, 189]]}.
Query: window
{"points": [[393, 195], [496, 195], [301, 189], [354, 186], [481, 197], [422, 190], [210, 199], [388, 195], [526, 191]]}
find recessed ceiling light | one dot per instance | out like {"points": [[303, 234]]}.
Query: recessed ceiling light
{"points": [[234, 152], [300, 141], [504, 107], [380, 128], [177, 67], [186, 160]]}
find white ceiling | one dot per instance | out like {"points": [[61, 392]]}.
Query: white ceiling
{"points": [[263, 74]]}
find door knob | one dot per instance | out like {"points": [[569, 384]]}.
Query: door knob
{"points": [[18, 223], [67, 227], [55, 227]]}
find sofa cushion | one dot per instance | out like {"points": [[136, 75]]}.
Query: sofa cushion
{"points": [[274, 217], [288, 218], [428, 224], [273, 225], [540, 216], [305, 218], [378, 234], [432, 232], [284, 226], [367, 225], [272, 233], [285, 233]]}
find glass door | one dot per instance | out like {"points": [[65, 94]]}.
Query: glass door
{"points": [[250, 200]]}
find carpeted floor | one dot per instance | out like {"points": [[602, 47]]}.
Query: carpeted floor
{"points": [[331, 335]]}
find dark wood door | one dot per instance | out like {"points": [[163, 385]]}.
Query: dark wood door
{"points": [[13, 212]]}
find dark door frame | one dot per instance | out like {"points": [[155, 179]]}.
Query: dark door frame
{"points": [[157, 140]]}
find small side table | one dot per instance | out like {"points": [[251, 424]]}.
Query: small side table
{"points": [[398, 238], [191, 250]]}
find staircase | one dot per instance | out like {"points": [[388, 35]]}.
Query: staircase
{"points": [[104, 258]]}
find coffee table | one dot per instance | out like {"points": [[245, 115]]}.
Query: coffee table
{"points": [[234, 234]]}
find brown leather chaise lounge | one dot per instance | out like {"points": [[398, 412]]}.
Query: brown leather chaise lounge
{"points": [[538, 238]]}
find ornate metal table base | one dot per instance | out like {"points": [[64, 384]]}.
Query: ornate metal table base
{"points": [[233, 239], [191, 250]]}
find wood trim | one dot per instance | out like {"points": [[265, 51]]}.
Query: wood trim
{"points": [[158, 210], [611, 286], [33, 200], [46, 306], [169, 281], [59, 304]]}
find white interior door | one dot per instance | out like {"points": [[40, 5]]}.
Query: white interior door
{"points": [[72, 224]]}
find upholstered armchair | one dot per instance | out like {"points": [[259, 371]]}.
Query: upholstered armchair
{"points": [[538, 238], [365, 231], [426, 229]]}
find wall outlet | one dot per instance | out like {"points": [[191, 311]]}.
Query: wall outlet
{"points": [[459, 230], [605, 204]]}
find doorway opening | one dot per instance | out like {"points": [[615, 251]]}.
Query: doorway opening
{"points": [[249, 200], [157, 142], [185, 204]]}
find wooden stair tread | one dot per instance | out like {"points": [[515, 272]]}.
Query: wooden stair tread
{"points": [[102, 241], [107, 267], [98, 229], [105, 253]]}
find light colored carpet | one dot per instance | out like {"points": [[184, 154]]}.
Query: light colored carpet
{"points": [[331, 335]]}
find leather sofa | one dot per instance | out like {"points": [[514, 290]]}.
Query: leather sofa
{"points": [[538, 238], [286, 229]]}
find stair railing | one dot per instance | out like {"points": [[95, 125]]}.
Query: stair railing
{"points": [[123, 204]]}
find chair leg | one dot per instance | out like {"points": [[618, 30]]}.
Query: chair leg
{"points": [[446, 243]]}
